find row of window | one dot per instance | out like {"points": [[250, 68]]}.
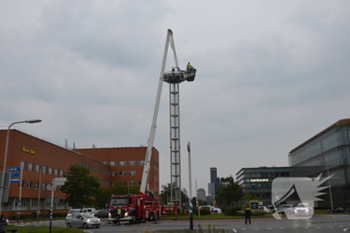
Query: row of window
{"points": [[335, 137], [43, 169], [30, 185], [124, 173], [124, 163], [126, 183]]}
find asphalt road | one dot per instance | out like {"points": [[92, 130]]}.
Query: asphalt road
{"points": [[319, 224]]}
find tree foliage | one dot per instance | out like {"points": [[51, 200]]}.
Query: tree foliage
{"points": [[229, 192], [166, 195], [80, 188]]}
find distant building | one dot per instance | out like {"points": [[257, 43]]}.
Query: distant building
{"points": [[211, 189], [214, 179], [201, 195]]}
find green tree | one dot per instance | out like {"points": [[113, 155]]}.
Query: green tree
{"points": [[229, 192], [165, 195], [103, 195], [80, 188], [120, 188]]}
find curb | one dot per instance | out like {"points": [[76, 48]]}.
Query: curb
{"points": [[24, 223]]}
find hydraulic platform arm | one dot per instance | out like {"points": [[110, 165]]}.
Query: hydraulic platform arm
{"points": [[146, 168]]}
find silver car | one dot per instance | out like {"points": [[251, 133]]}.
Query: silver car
{"points": [[84, 220]]}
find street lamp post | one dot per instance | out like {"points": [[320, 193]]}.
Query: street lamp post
{"points": [[330, 190], [5, 157]]}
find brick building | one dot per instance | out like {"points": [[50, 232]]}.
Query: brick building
{"points": [[42, 161]]}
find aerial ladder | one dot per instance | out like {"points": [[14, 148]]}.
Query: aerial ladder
{"points": [[174, 78]]}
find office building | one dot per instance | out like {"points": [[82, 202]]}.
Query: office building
{"points": [[258, 180], [42, 161], [331, 149], [201, 194]]}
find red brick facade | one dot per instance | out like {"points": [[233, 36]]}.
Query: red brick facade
{"points": [[44, 161]]}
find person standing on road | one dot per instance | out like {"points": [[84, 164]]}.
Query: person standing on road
{"points": [[3, 224], [247, 215], [119, 213]]}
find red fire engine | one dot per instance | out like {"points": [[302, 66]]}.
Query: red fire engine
{"points": [[134, 208]]}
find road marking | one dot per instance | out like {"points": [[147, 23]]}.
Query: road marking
{"points": [[234, 230]]}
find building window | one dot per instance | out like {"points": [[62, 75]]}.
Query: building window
{"points": [[113, 173], [141, 162], [43, 169], [122, 163], [132, 182], [61, 173], [23, 165], [123, 173], [43, 186], [37, 168], [132, 162], [56, 172], [50, 171], [132, 173], [29, 184], [113, 163], [30, 167], [22, 185], [37, 185], [105, 162]]}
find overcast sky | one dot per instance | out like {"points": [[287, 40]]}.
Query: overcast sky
{"points": [[271, 74]]}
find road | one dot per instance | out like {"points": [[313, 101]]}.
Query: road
{"points": [[319, 224]]}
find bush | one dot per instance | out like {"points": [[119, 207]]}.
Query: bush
{"points": [[203, 212], [231, 211]]}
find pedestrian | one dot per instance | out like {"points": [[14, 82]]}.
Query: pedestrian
{"points": [[3, 224], [119, 212], [247, 214]]}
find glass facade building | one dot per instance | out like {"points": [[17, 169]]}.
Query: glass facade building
{"points": [[258, 181], [331, 149]]}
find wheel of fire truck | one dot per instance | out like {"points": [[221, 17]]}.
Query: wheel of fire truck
{"points": [[115, 221]]}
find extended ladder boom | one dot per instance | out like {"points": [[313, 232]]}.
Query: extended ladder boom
{"points": [[146, 168]]}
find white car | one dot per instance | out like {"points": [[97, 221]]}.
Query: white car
{"points": [[303, 209], [84, 220], [264, 209]]}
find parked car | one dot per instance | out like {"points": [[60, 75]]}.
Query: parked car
{"points": [[286, 209], [339, 210], [213, 210], [264, 209], [103, 213], [84, 220], [303, 209]]}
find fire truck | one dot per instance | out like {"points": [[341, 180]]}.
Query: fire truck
{"points": [[144, 206], [134, 208]]}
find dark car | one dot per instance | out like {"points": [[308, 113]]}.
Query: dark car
{"points": [[339, 210], [103, 213]]}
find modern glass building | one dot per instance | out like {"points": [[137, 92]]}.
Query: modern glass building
{"points": [[331, 149], [258, 181]]}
